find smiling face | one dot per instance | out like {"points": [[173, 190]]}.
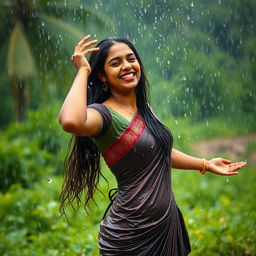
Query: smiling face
{"points": [[122, 70]]}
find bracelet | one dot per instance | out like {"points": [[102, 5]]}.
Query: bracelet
{"points": [[202, 171]]}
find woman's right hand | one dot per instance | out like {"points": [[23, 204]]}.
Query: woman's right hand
{"points": [[81, 49]]}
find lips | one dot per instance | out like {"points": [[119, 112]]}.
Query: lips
{"points": [[128, 76]]}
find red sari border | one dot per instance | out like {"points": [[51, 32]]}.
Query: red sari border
{"points": [[125, 141]]}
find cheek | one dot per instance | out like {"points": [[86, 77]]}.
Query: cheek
{"points": [[110, 73], [138, 66], [139, 71]]}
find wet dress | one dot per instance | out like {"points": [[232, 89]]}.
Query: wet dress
{"points": [[144, 218]]}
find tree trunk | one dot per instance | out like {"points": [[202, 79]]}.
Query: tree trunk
{"points": [[20, 100]]}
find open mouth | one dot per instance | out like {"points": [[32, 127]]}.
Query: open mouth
{"points": [[128, 76]]}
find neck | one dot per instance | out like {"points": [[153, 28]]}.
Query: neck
{"points": [[128, 101]]}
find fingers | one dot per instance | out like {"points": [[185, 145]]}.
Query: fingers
{"points": [[226, 161], [227, 168], [238, 165], [79, 54], [230, 173], [90, 50], [227, 173], [86, 45], [84, 40], [82, 45], [233, 168]]}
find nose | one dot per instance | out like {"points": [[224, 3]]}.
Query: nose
{"points": [[126, 65]]}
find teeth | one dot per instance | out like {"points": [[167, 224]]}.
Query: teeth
{"points": [[127, 76]]}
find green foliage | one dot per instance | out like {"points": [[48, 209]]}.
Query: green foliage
{"points": [[34, 34], [200, 55], [41, 125], [31, 217], [31, 224], [33, 149], [219, 212], [22, 162]]}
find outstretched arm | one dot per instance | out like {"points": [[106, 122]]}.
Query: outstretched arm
{"points": [[218, 166]]}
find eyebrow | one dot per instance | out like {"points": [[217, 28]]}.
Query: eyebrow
{"points": [[117, 58]]}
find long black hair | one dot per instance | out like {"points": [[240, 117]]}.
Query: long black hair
{"points": [[82, 163]]}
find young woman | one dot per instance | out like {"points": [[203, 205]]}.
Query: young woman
{"points": [[108, 112]]}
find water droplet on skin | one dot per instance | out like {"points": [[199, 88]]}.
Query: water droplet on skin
{"points": [[227, 180]]}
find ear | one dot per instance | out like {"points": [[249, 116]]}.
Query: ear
{"points": [[102, 77]]}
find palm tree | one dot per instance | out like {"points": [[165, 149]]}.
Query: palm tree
{"points": [[34, 34]]}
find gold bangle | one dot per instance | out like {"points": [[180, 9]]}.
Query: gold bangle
{"points": [[202, 171]]}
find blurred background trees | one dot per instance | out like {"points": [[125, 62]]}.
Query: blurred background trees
{"points": [[200, 60], [36, 35], [196, 53]]}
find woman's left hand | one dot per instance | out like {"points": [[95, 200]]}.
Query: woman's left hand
{"points": [[224, 167]]}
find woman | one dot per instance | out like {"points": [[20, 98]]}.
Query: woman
{"points": [[119, 123]]}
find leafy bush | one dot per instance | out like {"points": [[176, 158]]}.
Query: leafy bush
{"points": [[31, 223], [22, 162], [42, 126], [31, 150], [219, 211]]}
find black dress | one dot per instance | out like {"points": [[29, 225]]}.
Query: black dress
{"points": [[144, 218]]}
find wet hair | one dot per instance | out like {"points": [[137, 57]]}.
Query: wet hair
{"points": [[82, 163]]}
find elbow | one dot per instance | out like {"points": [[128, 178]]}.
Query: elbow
{"points": [[69, 125]]}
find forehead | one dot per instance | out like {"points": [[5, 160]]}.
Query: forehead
{"points": [[119, 50]]}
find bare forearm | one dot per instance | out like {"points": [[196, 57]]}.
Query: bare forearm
{"points": [[183, 161], [74, 106]]}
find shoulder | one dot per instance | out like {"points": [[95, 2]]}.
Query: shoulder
{"points": [[104, 114]]}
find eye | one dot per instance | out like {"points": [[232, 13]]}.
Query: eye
{"points": [[132, 59], [115, 64]]}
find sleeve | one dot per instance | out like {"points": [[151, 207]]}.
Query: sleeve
{"points": [[106, 117]]}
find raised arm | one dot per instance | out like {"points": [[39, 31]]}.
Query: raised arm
{"points": [[218, 166], [74, 116]]}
